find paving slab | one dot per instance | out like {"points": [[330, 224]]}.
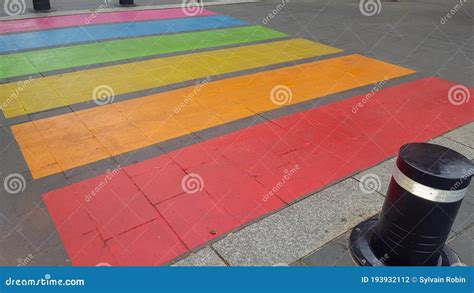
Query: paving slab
{"points": [[9, 221], [53, 256], [464, 246], [12, 159], [205, 257], [454, 145], [38, 229], [295, 231], [14, 248], [334, 253], [465, 216], [463, 135], [469, 196], [23, 211]]}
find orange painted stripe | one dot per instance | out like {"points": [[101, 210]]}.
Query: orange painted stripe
{"points": [[63, 142], [55, 91]]}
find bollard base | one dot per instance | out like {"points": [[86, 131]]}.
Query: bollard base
{"points": [[363, 254]]}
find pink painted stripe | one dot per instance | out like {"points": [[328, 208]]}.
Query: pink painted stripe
{"points": [[41, 23]]}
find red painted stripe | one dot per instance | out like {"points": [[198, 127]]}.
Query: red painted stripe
{"points": [[142, 216], [54, 22]]}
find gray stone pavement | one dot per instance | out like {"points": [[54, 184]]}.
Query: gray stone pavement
{"points": [[312, 231]]}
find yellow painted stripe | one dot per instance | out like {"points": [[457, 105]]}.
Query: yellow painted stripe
{"points": [[71, 88], [63, 142]]}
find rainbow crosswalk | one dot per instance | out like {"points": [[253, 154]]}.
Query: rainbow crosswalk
{"points": [[144, 213], [154, 119]]}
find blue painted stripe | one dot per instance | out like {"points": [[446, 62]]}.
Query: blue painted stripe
{"points": [[72, 35]]}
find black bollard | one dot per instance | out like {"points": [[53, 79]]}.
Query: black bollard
{"points": [[42, 6], [426, 190], [127, 3]]}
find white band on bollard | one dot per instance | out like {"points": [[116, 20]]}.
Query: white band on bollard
{"points": [[426, 192]]}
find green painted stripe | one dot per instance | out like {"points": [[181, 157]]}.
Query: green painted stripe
{"points": [[18, 64]]}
